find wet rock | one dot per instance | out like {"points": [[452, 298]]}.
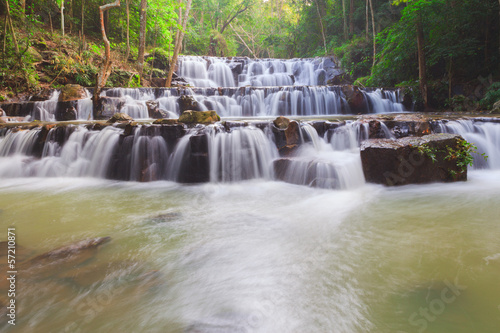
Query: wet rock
{"points": [[2, 113], [66, 111], [166, 121], [43, 95], [187, 102], [63, 258], [119, 117], [19, 109], [154, 110], [408, 101], [72, 92], [164, 218], [355, 99], [281, 122], [199, 117], [292, 134], [195, 165], [108, 106], [409, 125], [400, 162]]}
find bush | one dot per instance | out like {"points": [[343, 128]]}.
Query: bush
{"points": [[492, 96]]}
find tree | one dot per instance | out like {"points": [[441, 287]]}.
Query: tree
{"points": [[178, 44], [127, 9], [105, 70], [142, 37]]}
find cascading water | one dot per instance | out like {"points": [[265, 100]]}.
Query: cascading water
{"points": [[484, 135], [243, 153]]}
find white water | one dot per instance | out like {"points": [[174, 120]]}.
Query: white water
{"points": [[484, 135]]}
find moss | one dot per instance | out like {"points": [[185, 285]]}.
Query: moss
{"points": [[199, 117]]}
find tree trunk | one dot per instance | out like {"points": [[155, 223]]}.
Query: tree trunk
{"points": [[499, 31], [142, 37], [367, 20], [421, 62], [83, 16], [321, 26], [127, 53], [374, 35], [178, 45], [11, 27], [71, 16], [351, 18], [22, 4], [105, 70], [62, 17], [345, 20]]}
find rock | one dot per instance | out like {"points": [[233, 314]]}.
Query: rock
{"points": [[72, 92], [2, 113], [355, 99], [195, 166], [292, 134], [187, 102], [496, 107], [199, 117], [69, 256], [281, 122], [166, 122], [43, 95], [408, 101], [66, 111], [154, 110], [409, 125], [119, 117], [36, 57], [108, 106], [400, 162]]}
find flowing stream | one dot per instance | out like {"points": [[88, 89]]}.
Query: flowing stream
{"points": [[240, 249]]}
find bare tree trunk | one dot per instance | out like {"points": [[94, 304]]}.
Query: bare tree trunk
{"points": [[62, 17], [321, 26], [105, 70], [178, 45], [142, 37], [367, 20], [421, 62], [351, 18], [345, 19], [83, 16], [127, 53], [248, 48], [374, 35], [11, 27]]}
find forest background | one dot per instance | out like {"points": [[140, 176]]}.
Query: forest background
{"points": [[445, 51]]}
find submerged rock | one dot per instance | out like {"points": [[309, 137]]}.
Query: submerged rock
{"points": [[412, 160], [119, 117], [199, 117], [62, 258]]}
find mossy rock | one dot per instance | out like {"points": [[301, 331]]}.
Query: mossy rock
{"points": [[199, 117], [166, 122], [37, 57], [281, 122], [119, 117], [72, 92]]}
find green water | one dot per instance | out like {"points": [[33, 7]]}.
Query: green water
{"points": [[257, 257]]}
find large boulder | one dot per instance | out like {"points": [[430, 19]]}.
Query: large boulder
{"points": [[199, 117], [413, 160], [72, 92], [496, 107], [187, 102], [154, 110], [43, 95], [66, 111], [355, 99], [108, 106]]}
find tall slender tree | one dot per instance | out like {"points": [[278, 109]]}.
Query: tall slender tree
{"points": [[142, 37], [178, 44]]}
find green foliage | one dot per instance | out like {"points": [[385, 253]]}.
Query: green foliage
{"points": [[356, 57], [492, 96], [463, 155]]}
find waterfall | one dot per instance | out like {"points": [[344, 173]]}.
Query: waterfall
{"points": [[484, 135], [243, 153], [317, 163]]}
